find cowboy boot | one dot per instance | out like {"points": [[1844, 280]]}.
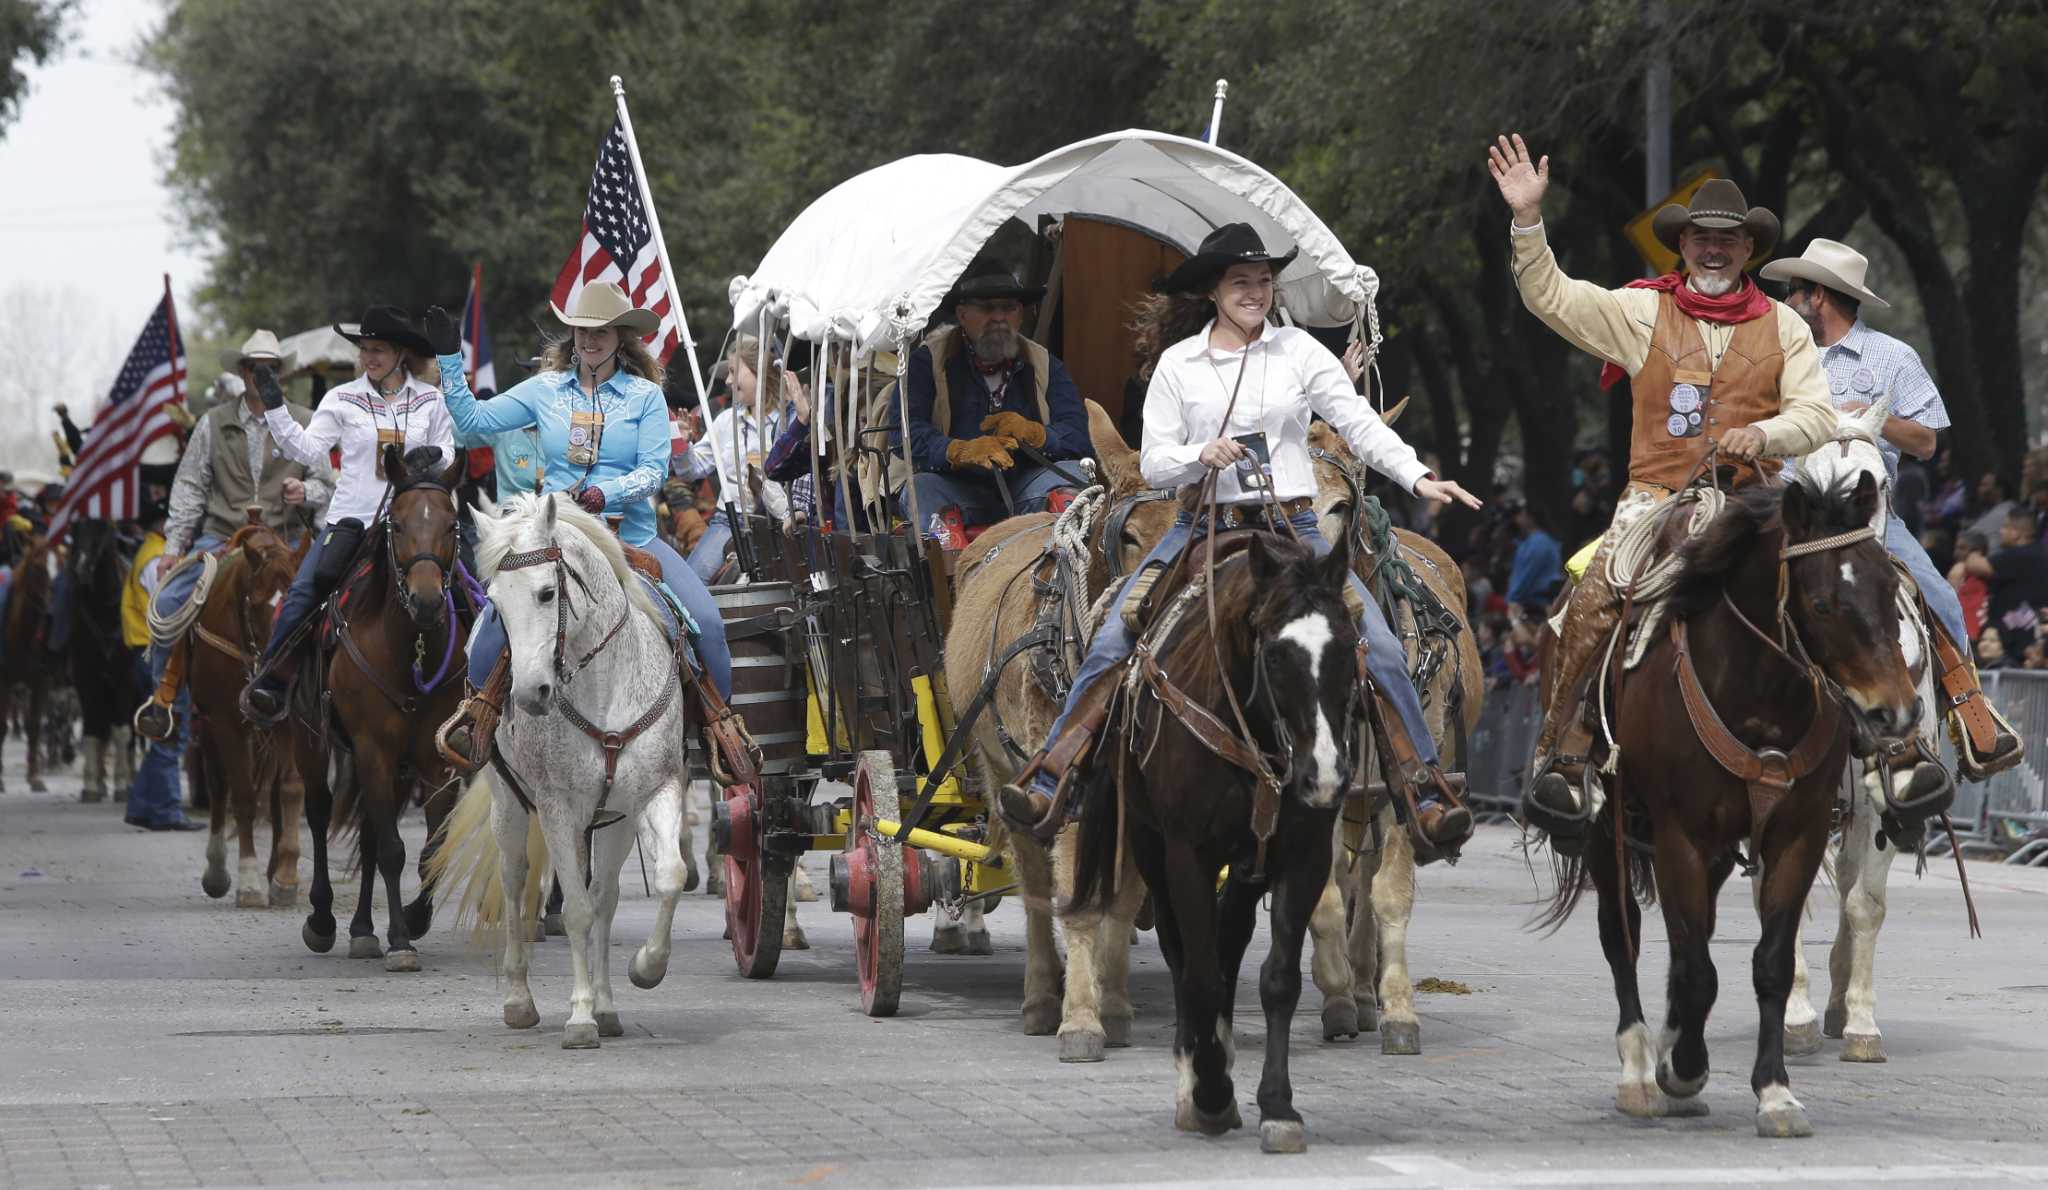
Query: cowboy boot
{"points": [[1438, 815], [157, 719], [1552, 802], [1032, 803], [465, 740], [1985, 743]]}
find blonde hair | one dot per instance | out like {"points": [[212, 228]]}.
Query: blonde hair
{"points": [[746, 352], [559, 355]]}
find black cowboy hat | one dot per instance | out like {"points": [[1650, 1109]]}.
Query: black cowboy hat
{"points": [[1719, 204], [986, 280], [388, 323], [1232, 243]]}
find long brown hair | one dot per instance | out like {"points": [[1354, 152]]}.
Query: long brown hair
{"points": [[1160, 320], [559, 355]]}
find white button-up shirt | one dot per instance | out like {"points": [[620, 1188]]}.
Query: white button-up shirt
{"points": [[714, 452], [349, 416], [1288, 376]]}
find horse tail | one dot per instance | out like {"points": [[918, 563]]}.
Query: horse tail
{"points": [[1572, 878], [467, 857], [1095, 846]]}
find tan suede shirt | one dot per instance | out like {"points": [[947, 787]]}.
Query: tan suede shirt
{"points": [[1615, 325]]}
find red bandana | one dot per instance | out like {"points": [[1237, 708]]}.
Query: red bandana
{"points": [[1742, 304], [986, 369]]}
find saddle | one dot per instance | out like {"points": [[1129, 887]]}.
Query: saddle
{"points": [[1145, 600], [642, 562]]}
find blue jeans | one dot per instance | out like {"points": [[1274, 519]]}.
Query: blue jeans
{"points": [[1934, 587], [1384, 655], [487, 642], [298, 602], [157, 797], [979, 499], [709, 552]]}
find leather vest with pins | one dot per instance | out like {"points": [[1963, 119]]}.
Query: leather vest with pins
{"points": [[1677, 384], [233, 489]]}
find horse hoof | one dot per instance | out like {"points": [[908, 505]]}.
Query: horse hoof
{"points": [[1676, 1087], [1081, 1047], [1282, 1136], [363, 946], [419, 919], [1862, 1047], [978, 942], [714, 883], [608, 1025], [1641, 1100], [1835, 1022], [645, 973], [400, 962], [806, 892], [35, 785], [539, 934], [1368, 1013], [283, 896], [1116, 1032], [1801, 1040], [1189, 1118], [579, 1037], [1685, 1109], [1041, 1020], [216, 885], [949, 940], [316, 941], [551, 926], [689, 877], [88, 796], [1340, 1021], [1400, 1037], [521, 1016], [251, 898], [795, 940], [1783, 1123]]}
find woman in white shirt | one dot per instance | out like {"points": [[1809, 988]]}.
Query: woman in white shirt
{"points": [[715, 452], [1223, 347], [383, 405]]}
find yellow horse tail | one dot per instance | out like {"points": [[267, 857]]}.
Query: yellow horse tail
{"points": [[467, 858]]}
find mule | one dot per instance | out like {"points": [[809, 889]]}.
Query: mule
{"points": [[589, 756], [367, 702], [102, 673], [25, 665], [1779, 642], [1276, 658]]}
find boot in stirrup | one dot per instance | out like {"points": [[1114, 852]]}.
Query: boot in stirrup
{"points": [[1440, 823], [465, 739], [1985, 743], [156, 719]]}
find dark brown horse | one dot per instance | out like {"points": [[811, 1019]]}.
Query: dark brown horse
{"points": [[245, 770], [1286, 644], [1780, 648], [25, 666], [388, 673], [102, 671]]}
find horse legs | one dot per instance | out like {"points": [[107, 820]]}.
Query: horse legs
{"points": [[1621, 933], [419, 915], [288, 806], [1280, 1126], [1205, 1100], [225, 761], [1802, 1024], [1392, 902], [1687, 887], [1330, 965], [792, 931], [92, 786], [214, 881], [661, 825], [509, 824], [609, 849], [1044, 1011], [318, 932], [1861, 870], [381, 816], [38, 699], [565, 845], [362, 926], [714, 866], [1789, 862]]}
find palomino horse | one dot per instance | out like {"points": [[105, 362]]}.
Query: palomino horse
{"points": [[1361, 925], [589, 756], [24, 663], [1780, 641], [1226, 747], [996, 605], [367, 701], [101, 671], [245, 770]]}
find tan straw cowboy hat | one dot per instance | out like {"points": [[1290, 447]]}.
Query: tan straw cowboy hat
{"points": [[1717, 204], [1831, 263], [607, 305], [261, 347]]}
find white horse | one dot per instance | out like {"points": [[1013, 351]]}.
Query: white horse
{"points": [[589, 657], [1864, 856]]}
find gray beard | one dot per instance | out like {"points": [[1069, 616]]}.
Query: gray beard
{"points": [[1714, 286], [997, 344]]}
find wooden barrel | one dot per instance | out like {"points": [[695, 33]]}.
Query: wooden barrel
{"points": [[767, 687]]}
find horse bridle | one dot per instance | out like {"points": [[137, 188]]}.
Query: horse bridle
{"points": [[400, 567]]}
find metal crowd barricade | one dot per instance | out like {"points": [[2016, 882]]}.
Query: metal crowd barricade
{"points": [[1499, 759]]}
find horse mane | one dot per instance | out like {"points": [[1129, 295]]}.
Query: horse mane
{"points": [[1730, 537], [499, 533], [1244, 610]]}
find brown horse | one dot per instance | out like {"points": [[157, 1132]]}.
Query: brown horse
{"points": [[1780, 645], [244, 770], [102, 671], [24, 665], [389, 673]]}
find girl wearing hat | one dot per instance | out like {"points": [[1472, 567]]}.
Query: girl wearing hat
{"points": [[384, 405], [604, 440], [1222, 350]]}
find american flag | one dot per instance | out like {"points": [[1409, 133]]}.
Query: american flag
{"points": [[618, 244], [104, 483], [476, 345]]}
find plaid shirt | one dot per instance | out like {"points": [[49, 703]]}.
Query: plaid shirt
{"points": [[1864, 364]]}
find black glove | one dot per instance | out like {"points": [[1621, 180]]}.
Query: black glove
{"points": [[441, 332], [422, 460], [268, 390]]}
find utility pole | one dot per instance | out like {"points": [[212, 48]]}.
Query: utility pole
{"points": [[1656, 111]]}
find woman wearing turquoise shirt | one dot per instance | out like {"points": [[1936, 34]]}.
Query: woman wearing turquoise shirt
{"points": [[604, 439]]}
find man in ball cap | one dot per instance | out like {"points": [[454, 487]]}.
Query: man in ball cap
{"points": [[1711, 361]]}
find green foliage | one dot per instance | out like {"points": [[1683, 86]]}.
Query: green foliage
{"points": [[30, 31]]}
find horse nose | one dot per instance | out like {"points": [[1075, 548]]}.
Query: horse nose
{"points": [[534, 700]]}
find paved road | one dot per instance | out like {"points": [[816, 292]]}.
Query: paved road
{"points": [[156, 1038]]}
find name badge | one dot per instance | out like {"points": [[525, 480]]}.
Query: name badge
{"points": [[586, 431], [391, 436]]}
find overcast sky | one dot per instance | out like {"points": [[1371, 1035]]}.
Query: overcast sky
{"points": [[86, 227]]}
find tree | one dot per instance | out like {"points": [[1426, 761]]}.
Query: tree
{"points": [[30, 31]]}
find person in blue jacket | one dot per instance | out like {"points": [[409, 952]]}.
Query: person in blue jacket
{"points": [[604, 439]]}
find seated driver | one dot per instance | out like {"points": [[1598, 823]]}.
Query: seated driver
{"points": [[992, 391]]}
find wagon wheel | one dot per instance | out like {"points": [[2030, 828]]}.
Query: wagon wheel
{"points": [[877, 925], [756, 886]]}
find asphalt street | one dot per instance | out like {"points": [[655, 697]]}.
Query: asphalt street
{"points": [[155, 1037]]}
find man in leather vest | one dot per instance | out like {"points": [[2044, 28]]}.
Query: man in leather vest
{"points": [[1710, 360], [230, 464], [977, 392]]}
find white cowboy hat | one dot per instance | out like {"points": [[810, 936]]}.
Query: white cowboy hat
{"points": [[607, 305], [262, 345], [1830, 263]]}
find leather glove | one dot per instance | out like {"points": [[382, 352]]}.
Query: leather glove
{"points": [[267, 388], [991, 451], [591, 501], [1014, 425], [441, 332]]}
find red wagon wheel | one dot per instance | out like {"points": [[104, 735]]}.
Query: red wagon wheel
{"points": [[756, 886], [875, 869]]}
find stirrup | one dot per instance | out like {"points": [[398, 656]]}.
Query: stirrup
{"points": [[170, 712], [1553, 821], [1969, 762], [462, 717]]}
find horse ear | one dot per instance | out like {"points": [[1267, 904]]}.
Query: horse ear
{"points": [[1119, 460], [1336, 565], [453, 475], [394, 463], [547, 513], [1267, 561], [1793, 509], [1865, 498]]}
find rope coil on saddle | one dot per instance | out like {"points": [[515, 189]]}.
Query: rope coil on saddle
{"points": [[164, 631]]}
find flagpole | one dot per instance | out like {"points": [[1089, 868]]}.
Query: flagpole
{"points": [[476, 304], [171, 324], [668, 270]]}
